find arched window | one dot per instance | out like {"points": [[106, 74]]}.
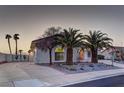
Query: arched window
{"points": [[59, 53]]}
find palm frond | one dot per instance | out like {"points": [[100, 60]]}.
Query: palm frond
{"points": [[70, 38], [97, 39]]}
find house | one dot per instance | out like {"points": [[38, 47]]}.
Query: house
{"points": [[41, 53], [106, 53], [118, 50]]}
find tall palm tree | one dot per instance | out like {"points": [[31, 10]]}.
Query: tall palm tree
{"points": [[8, 37], [20, 52], [97, 40], [69, 39], [16, 37]]}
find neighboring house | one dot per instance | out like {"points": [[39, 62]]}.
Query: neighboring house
{"points": [[58, 53], [106, 53], [119, 53]]}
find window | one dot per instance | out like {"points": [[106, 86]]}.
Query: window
{"points": [[88, 53], [59, 54]]}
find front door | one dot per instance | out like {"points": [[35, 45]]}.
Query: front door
{"points": [[81, 55]]}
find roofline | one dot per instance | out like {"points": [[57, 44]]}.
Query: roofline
{"points": [[41, 38], [113, 47]]}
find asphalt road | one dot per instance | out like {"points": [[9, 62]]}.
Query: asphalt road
{"points": [[116, 81]]}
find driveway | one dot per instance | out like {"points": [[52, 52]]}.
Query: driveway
{"points": [[10, 72]]}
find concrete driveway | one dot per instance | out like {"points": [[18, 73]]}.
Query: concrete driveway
{"points": [[10, 72]]}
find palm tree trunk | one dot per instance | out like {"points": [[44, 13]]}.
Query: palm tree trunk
{"points": [[10, 49], [9, 46], [94, 58], [69, 59], [50, 54], [16, 50], [16, 47]]}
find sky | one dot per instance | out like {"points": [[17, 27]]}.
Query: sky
{"points": [[31, 22]]}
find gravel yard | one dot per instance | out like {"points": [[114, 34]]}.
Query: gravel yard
{"points": [[82, 67]]}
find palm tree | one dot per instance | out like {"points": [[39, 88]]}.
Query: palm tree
{"points": [[97, 40], [69, 39], [16, 37], [20, 52], [8, 37]]}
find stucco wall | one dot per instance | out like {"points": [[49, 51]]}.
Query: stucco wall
{"points": [[76, 55], [2, 57], [43, 56], [86, 59], [11, 58]]}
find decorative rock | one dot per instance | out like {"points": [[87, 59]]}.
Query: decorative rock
{"points": [[91, 65], [81, 68]]}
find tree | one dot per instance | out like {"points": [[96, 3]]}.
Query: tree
{"points": [[51, 31], [69, 39], [49, 41], [97, 40], [8, 37], [29, 52], [16, 37], [20, 52]]}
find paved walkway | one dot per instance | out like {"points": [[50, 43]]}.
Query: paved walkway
{"points": [[14, 72]]}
